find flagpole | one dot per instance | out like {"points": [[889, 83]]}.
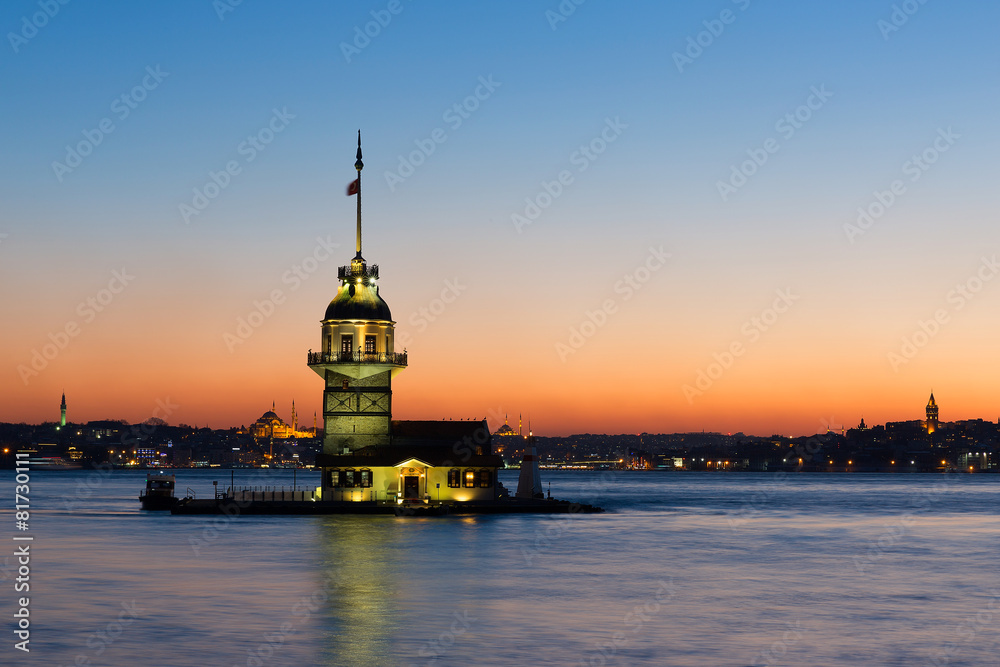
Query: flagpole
{"points": [[359, 165]]}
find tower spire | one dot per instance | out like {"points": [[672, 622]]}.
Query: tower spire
{"points": [[359, 165]]}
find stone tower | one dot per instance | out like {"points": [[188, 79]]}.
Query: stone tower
{"points": [[357, 360], [932, 415]]}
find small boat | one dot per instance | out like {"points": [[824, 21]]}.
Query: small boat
{"points": [[159, 492]]}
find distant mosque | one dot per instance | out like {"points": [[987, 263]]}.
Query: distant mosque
{"points": [[270, 425], [507, 441]]}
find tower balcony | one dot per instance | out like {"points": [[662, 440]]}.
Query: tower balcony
{"points": [[383, 358], [358, 270]]}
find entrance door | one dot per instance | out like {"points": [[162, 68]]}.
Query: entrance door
{"points": [[411, 487], [346, 347]]}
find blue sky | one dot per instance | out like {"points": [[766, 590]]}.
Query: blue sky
{"points": [[556, 89]]}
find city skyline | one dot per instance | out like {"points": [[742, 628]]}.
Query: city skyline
{"points": [[680, 229]]}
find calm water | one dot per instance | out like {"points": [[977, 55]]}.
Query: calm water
{"points": [[685, 569]]}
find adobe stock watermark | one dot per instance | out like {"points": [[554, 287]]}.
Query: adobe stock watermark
{"points": [[557, 527], [627, 287], [435, 648], [122, 107], [249, 149], [634, 621], [581, 158], [30, 25], [223, 7], [804, 452], [87, 310], [425, 315], [779, 647], [969, 629], [899, 17], [454, 116], [786, 126], [381, 18], [562, 12], [713, 30], [914, 168], [957, 298], [894, 533], [103, 471], [752, 330], [301, 611], [264, 308]]}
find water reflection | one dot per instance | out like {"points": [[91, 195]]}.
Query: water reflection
{"points": [[360, 566]]}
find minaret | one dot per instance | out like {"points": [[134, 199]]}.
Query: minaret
{"points": [[357, 360], [932, 415], [295, 420], [62, 407]]}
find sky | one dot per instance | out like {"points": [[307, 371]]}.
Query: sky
{"points": [[608, 217]]}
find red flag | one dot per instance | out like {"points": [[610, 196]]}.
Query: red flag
{"points": [[352, 189]]}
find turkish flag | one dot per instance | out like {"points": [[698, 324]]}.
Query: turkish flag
{"points": [[352, 189]]}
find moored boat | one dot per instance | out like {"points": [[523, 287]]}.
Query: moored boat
{"points": [[159, 492]]}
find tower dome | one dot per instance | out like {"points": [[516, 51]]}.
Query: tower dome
{"points": [[358, 297]]}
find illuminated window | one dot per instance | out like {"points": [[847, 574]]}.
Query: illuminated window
{"points": [[346, 479], [454, 478], [369, 344], [364, 479], [485, 479], [346, 345], [470, 479]]}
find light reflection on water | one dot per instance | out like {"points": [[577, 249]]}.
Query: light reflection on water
{"points": [[686, 569]]}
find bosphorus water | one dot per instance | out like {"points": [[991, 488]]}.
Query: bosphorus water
{"points": [[683, 569]]}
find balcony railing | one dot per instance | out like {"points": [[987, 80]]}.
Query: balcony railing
{"points": [[395, 358], [358, 271]]}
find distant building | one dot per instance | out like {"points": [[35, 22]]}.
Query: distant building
{"points": [[507, 442], [270, 425], [931, 424]]}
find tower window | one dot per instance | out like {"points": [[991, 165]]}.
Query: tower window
{"points": [[454, 478], [369, 344], [346, 345]]}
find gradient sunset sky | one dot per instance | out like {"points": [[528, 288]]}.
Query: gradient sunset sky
{"points": [[829, 103]]}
